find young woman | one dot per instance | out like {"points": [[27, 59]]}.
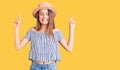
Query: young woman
{"points": [[44, 38]]}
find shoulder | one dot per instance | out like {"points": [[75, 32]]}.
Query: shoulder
{"points": [[58, 34], [56, 30], [32, 28]]}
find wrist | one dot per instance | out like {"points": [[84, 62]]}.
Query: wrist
{"points": [[71, 30], [17, 29]]}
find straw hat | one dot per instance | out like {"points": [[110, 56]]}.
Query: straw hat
{"points": [[43, 5]]}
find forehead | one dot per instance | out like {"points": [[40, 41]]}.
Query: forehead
{"points": [[43, 11]]}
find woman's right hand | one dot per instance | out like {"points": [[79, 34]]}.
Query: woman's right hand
{"points": [[17, 22]]}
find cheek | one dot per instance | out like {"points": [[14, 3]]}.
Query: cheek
{"points": [[48, 17], [40, 19]]}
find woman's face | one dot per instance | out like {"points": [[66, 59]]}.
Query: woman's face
{"points": [[43, 16]]}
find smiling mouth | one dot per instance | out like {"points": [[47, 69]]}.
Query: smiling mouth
{"points": [[44, 20]]}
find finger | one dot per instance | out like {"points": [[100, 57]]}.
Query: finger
{"points": [[18, 17], [71, 18], [73, 21], [17, 20]]}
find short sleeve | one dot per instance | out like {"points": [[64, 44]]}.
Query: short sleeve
{"points": [[60, 36], [28, 35]]}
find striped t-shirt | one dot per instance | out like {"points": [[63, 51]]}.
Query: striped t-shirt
{"points": [[42, 48]]}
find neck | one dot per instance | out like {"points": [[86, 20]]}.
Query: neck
{"points": [[43, 28]]}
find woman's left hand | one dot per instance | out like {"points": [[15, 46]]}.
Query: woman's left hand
{"points": [[72, 23]]}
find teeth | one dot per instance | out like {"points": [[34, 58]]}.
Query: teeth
{"points": [[44, 19]]}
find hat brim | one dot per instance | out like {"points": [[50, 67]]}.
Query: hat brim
{"points": [[41, 8]]}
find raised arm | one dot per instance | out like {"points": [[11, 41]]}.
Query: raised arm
{"points": [[18, 43], [68, 45]]}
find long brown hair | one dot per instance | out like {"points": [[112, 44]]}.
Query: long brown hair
{"points": [[50, 25]]}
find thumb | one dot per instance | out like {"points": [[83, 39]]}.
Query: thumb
{"points": [[19, 18]]}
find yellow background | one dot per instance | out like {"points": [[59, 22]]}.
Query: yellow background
{"points": [[97, 33]]}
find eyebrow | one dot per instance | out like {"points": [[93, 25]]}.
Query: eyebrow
{"points": [[42, 12]]}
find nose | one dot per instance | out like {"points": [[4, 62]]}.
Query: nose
{"points": [[45, 16]]}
